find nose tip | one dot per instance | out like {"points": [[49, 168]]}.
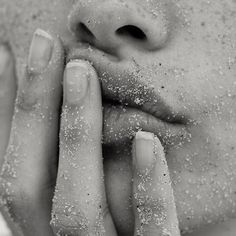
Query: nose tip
{"points": [[113, 25]]}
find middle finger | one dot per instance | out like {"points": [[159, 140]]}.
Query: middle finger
{"points": [[80, 206]]}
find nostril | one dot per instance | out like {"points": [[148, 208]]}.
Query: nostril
{"points": [[85, 33], [131, 32]]}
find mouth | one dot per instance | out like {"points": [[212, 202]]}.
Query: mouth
{"points": [[130, 105]]}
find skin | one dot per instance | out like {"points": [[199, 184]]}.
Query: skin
{"points": [[196, 78], [79, 204]]}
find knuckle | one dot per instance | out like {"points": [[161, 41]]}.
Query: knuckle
{"points": [[36, 104], [35, 93], [27, 101], [13, 199], [151, 210], [63, 223], [69, 220], [74, 130], [71, 136], [145, 203]]}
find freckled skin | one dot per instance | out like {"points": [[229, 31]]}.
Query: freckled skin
{"points": [[194, 72]]}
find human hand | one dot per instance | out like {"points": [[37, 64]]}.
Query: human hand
{"points": [[31, 168]]}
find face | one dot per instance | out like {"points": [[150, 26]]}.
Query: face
{"points": [[166, 66]]}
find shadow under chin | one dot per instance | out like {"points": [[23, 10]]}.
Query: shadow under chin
{"points": [[118, 184]]}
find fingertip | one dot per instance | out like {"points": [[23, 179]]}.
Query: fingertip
{"points": [[76, 82], [46, 50], [143, 152], [80, 83], [148, 152]]}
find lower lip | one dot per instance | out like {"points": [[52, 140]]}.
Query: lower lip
{"points": [[121, 123]]}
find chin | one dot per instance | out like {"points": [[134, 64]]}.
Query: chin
{"points": [[203, 179]]}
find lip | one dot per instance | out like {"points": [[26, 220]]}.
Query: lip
{"points": [[130, 105], [122, 122]]}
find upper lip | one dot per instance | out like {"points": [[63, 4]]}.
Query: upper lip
{"points": [[119, 86]]}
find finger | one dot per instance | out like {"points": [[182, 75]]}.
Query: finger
{"points": [[153, 199], [7, 100], [80, 206], [7, 96], [29, 170]]}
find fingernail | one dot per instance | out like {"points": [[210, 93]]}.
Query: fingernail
{"points": [[144, 153], [76, 81], [40, 50], [4, 58]]}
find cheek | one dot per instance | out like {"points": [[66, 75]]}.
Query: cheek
{"points": [[192, 83], [22, 19], [212, 146], [180, 80], [203, 173]]}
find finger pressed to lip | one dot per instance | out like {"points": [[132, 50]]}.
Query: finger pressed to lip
{"points": [[153, 199], [121, 123], [80, 203]]}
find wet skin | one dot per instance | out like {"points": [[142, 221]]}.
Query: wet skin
{"points": [[189, 73]]}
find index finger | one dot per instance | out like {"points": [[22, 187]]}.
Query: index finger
{"points": [[153, 198]]}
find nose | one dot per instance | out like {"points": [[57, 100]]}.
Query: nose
{"points": [[112, 25]]}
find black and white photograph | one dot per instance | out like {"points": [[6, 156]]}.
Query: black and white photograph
{"points": [[117, 117]]}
